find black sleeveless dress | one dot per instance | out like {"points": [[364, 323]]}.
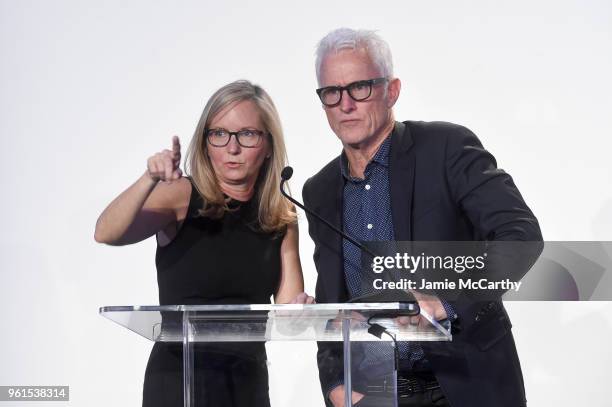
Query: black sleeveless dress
{"points": [[225, 261]]}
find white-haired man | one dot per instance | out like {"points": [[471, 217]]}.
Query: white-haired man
{"points": [[403, 181]]}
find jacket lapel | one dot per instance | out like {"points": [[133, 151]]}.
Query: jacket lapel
{"points": [[401, 181]]}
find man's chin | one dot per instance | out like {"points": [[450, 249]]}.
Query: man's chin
{"points": [[353, 139]]}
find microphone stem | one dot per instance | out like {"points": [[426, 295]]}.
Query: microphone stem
{"points": [[341, 233]]}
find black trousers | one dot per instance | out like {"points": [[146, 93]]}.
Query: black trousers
{"points": [[422, 394], [429, 398]]}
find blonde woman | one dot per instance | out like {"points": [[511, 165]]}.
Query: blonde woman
{"points": [[225, 235]]}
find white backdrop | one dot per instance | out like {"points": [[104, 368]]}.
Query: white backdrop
{"points": [[90, 89]]}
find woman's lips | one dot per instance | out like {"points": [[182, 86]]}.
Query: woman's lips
{"points": [[233, 164]]}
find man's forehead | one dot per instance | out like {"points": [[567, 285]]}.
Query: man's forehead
{"points": [[347, 65]]}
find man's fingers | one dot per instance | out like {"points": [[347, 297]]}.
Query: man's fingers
{"points": [[434, 308], [440, 314]]}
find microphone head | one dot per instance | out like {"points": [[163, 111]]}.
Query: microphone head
{"points": [[286, 173]]}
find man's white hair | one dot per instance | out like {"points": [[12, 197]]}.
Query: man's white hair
{"points": [[348, 38]]}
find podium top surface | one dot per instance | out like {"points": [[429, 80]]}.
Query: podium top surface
{"points": [[263, 307], [272, 322]]}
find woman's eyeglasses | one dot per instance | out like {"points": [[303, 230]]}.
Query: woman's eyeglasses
{"points": [[246, 138]]}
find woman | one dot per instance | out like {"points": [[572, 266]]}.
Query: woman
{"points": [[225, 235]]}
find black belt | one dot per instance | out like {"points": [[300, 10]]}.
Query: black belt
{"points": [[407, 384]]}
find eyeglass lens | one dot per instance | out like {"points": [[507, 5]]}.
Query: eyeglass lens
{"points": [[246, 138]]}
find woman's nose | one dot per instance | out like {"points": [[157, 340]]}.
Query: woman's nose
{"points": [[233, 147]]}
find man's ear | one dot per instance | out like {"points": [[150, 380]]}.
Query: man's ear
{"points": [[393, 91]]}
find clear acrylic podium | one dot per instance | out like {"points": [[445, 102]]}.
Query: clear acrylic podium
{"points": [[368, 333]]}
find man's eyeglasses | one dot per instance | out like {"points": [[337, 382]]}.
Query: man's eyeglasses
{"points": [[246, 138], [358, 91]]}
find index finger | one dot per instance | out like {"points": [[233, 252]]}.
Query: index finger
{"points": [[176, 145]]}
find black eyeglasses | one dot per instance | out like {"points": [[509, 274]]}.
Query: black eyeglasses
{"points": [[246, 138], [358, 91]]}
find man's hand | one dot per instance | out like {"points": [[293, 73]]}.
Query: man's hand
{"points": [[431, 305], [336, 396]]}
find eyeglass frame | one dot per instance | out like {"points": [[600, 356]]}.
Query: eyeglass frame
{"points": [[370, 82], [260, 133]]}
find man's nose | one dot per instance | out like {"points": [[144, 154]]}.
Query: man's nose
{"points": [[347, 104]]}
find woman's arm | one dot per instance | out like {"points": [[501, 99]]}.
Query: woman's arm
{"points": [[292, 281], [147, 206]]}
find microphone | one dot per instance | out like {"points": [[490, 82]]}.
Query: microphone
{"points": [[410, 309], [286, 174]]}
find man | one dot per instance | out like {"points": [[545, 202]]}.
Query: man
{"points": [[403, 181]]}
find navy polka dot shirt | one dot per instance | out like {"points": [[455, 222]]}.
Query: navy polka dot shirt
{"points": [[367, 217]]}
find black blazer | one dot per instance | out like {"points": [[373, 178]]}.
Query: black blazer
{"points": [[444, 187]]}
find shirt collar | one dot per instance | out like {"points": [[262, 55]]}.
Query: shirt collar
{"points": [[380, 157]]}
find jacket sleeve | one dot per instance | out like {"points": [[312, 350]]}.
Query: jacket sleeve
{"points": [[491, 201]]}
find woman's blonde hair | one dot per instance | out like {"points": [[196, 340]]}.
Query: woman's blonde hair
{"points": [[275, 212]]}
